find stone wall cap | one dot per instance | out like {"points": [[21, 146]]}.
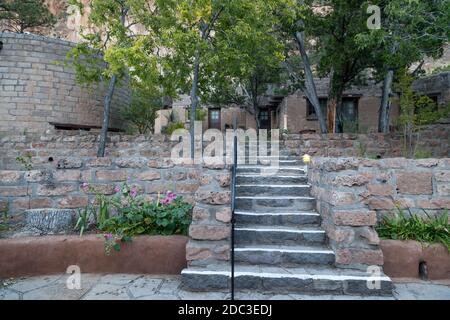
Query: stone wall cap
{"points": [[32, 36]]}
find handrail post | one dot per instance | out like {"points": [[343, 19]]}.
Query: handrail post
{"points": [[233, 203]]}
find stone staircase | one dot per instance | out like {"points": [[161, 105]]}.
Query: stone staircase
{"points": [[279, 244]]}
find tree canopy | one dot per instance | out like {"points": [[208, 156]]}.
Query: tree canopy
{"points": [[22, 15]]}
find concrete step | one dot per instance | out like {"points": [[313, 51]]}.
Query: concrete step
{"points": [[271, 170], [275, 203], [278, 235], [252, 178], [273, 190], [267, 157], [284, 255], [308, 279], [278, 218], [267, 161]]}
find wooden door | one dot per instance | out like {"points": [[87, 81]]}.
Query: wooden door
{"points": [[214, 121]]}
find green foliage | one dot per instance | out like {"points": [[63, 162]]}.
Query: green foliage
{"points": [[415, 111], [134, 216], [4, 221], [362, 149], [200, 114], [26, 162], [151, 218], [127, 214], [414, 227], [410, 32], [21, 15], [335, 30], [142, 111], [172, 126], [439, 70], [349, 126], [422, 154], [84, 216], [113, 242]]}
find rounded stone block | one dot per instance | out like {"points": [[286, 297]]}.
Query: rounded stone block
{"points": [[49, 221]]}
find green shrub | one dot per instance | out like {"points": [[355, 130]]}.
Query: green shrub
{"points": [[414, 227], [172, 126], [128, 214], [151, 218], [422, 154], [142, 111]]}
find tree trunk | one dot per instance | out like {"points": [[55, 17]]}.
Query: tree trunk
{"points": [[194, 101], [106, 114], [332, 106], [107, 101], [257, 120], [255, 101], [383, 116], [309, 82]]}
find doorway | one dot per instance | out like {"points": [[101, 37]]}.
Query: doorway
{"points": [[264, 119], [214, 121]]}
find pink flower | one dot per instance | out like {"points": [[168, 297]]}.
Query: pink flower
{"points": [[133, 193], [170, 196], [116, 189], [85, 186], [108, 236]]}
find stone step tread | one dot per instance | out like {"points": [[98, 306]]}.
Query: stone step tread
{"points": [[281, 213], [305, 271], [260, 228], [276, 197], [319, 249], [280, 158], [258, 175], [258, 166], [275, 185]]}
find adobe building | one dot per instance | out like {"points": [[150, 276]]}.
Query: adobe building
{"points": [[38, 92], [294, 113]]}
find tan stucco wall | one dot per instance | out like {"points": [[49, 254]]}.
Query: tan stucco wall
{"points": [[296, 110]]}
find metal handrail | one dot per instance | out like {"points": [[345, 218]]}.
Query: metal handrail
{"points": [[233, 205]]}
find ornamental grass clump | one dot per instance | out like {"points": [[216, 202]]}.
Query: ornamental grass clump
{"points": [[413, 227]]}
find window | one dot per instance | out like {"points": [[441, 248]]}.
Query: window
{"points": [[264, 115], [215, 114], [311, 113], [435, 98]]}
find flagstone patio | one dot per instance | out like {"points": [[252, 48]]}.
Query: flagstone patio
{"points": [[145, 287]]}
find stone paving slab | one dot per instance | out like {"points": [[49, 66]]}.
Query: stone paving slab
{"points": [[154, 287]]}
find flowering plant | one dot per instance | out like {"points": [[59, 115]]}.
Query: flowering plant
{"points": [[127, 214]]}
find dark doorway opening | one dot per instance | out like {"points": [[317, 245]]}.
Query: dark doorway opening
{"points": [[214, 121]]}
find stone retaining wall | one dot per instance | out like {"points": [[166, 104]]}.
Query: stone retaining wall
{"points": [[49, 149], [353, 194], [62, 162], [36, 88], [434, 139]]}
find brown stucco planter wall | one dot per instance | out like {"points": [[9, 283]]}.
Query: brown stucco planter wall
{"points": [[402, 259], [53, 254]]}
